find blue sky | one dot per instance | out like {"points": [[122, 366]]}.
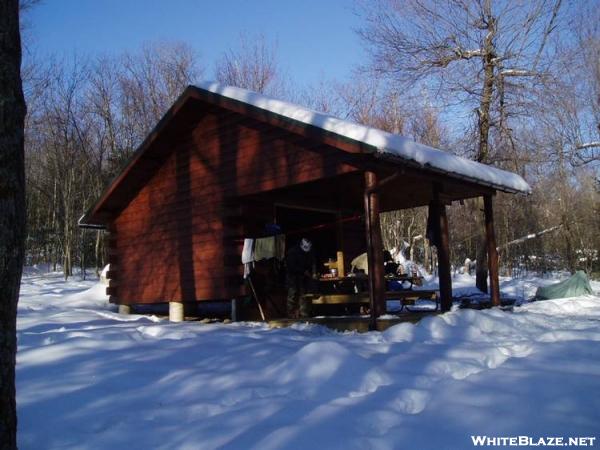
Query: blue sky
{"points": [[315, 39]]}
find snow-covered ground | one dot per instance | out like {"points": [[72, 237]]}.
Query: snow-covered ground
{"points": [[89, 378]]}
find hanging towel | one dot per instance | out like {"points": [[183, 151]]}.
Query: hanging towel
{"points": [[248, 256], [247, 253], [264, 248]]}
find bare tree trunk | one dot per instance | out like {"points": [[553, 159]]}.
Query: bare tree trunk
{"points": [[67, 262], [97, 255], [82, 261], [481, 272], [53, 226], [488, 87], [489, 54], [569, 248], [12, 211], [427, 256]]}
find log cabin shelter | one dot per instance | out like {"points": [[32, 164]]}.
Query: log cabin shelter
{"points": [[225, 164]]}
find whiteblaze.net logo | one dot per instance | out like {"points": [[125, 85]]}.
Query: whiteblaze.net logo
{"points": [[528, 441]]}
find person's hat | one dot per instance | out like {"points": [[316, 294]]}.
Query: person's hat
{"points": [[305, 245]]}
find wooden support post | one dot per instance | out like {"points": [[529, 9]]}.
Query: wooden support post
{"points": [[125, 309], [443, 251], [492, 252], [374, 248]]}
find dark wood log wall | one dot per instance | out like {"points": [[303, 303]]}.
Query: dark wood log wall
{"points": [[180, 238]]}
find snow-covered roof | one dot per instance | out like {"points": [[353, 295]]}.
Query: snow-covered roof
{"points": [[386, 145]]}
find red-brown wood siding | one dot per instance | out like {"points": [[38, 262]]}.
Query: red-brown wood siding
{"points": [[179, 239]]}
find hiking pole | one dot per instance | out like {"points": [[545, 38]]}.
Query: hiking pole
{"points": [[262, 314]]}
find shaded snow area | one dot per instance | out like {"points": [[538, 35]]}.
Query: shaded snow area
{"points": [[89, 378]]}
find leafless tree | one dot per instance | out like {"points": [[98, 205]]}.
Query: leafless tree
{"points": [[574, 113], [86, 119], [12, 211], [587, 143], [474, 55], [251, 65], [150, 80]]}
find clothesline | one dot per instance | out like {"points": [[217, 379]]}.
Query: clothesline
{"points": [[325, 225]]}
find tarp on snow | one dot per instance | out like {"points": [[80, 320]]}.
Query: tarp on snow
{"points": [[577, 285]]}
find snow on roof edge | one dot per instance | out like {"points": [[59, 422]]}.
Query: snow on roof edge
{"points": [[385, 143], [82, 223]]}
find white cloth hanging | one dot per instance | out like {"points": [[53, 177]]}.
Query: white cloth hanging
{"points": [[248, 256], [248, 251]]}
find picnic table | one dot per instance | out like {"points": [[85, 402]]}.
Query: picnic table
{"points": [[353, 290]]}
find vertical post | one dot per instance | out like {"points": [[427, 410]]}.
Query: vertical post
{"points": [[443, 251], [374, 248], [234, 311], [124, 309], [175, 312], [368, 182], [492, 252], [339, 230]]}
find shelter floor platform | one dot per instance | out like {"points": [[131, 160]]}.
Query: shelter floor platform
{"points": [[354, 323]]}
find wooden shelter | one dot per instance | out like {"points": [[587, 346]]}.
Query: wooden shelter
{"points": [[223, 162]]}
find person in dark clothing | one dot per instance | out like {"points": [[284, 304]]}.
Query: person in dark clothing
{"points": [[390, 266], [300, 262]]}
